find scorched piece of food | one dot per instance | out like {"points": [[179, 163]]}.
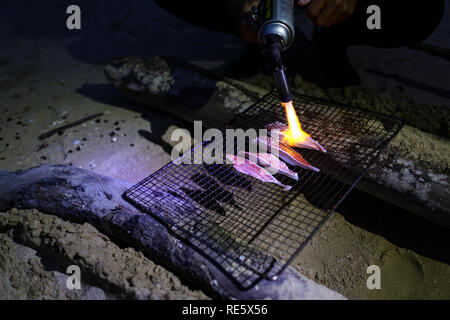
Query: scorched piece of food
{"points": [[250, 168], [286, 153], [271, 163], [278, 128]]}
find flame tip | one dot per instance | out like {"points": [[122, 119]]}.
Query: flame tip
{"points": [[294, 133]]}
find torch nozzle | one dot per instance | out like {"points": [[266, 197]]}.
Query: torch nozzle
{"points": [[282, 86], [272, 58]]}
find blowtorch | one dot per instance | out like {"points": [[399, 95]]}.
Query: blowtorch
{"points": [[274, 20]]}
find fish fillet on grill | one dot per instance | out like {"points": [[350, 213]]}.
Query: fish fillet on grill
{"points": [[278, 128], [271, 163], [250, 168], [286, 153]]}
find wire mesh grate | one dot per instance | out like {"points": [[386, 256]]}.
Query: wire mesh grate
{"points": [[253, 230]]}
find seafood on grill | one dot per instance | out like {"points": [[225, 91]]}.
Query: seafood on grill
{"points": [[286, 153], [271, 163], [280, 130], [250, 168], [228, 176]]}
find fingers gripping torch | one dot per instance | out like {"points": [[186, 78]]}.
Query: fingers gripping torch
{"points": [[274, 20]]}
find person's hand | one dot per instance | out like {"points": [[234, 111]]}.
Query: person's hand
{"points": [[326, 13], [249, 33], [240, 11]]}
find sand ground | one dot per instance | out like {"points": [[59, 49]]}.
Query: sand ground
{"points": [[50, 76]]}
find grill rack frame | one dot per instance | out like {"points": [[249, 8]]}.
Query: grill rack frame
{"points": [[277, 265]]}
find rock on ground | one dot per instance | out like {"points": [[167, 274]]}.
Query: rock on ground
{"points": [[36, 249]]}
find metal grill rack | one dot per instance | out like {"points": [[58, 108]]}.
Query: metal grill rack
{"points": [[252, 230]]}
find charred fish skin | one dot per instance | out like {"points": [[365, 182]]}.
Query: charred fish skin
{"points": [[313, 144], [279, 129], [271, 163], [286, 153], [250, 168], [276, 126]]}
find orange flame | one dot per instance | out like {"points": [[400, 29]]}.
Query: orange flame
{"points": [[294, 133]]}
